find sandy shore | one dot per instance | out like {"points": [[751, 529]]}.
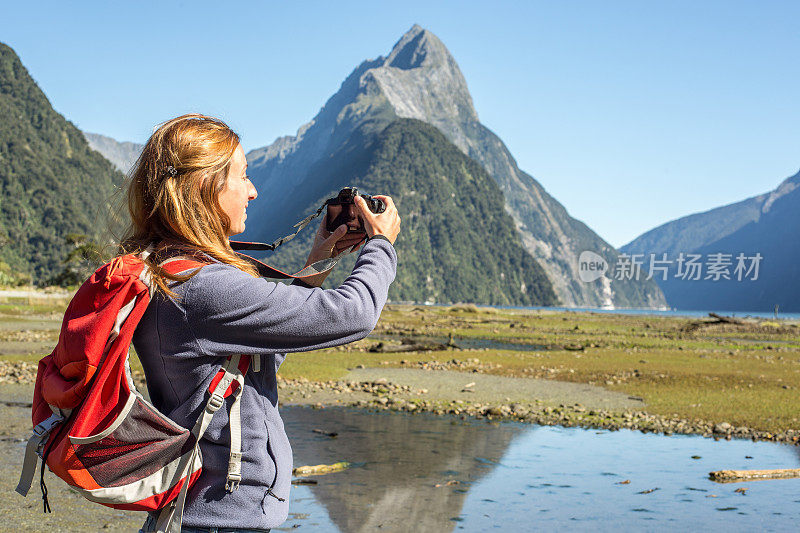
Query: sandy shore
{"points": [[485, 396]]}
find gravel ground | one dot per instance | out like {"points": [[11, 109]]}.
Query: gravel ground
{"points": [[486, 388], [438, 386]]}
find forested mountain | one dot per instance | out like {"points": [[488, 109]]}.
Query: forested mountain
{"points": [[51, 183], [766, 225], [457, 243], [419, 79]]}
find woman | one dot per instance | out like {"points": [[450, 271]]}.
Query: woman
{"points": [[189, 193]]}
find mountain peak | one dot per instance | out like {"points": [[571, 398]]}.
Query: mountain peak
{"points": [[417, 47], [16, 81], [421, 80]]}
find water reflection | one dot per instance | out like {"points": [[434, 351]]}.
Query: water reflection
{"points": [[399, 461], [527, 478], [569, 478], [469, 343]]}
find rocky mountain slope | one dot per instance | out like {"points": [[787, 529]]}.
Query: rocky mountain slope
{"points": [[122, 154], [419, 79]]}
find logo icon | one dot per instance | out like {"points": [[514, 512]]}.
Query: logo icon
{"points": [[591, 266]]}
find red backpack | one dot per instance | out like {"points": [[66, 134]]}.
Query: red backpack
{"points": [[95, 430]]}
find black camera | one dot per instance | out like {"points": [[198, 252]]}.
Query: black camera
{"points": [[343, 210]]}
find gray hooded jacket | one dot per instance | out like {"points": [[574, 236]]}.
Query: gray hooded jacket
{"points": [[223, 311]]}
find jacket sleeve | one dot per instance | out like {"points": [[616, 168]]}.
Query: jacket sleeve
{"points": [[232, 312]]}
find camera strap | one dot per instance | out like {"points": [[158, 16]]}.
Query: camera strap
{"points": [[266, 271], [283, 240]]}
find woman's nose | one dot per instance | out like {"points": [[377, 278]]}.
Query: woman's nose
{"points": [[252, 193]]}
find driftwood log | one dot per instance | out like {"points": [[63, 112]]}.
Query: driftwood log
{"points": [[718, 319], [726, 319], [733, 476], [319, 469]]}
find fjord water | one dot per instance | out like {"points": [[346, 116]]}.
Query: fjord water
{"points": [[662, 312], [519, 477]]}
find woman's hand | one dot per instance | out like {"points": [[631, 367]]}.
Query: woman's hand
{"points": [[386, 223], [327, 245]]}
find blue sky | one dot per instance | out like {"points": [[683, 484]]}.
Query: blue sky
{"points": [[629, 113]]}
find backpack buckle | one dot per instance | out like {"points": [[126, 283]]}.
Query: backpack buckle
{"points": [[47, 426], [233, 482], [215, 402]]}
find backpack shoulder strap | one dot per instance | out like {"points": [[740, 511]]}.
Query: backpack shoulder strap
{"points": [[178, 264], [170, 518]]}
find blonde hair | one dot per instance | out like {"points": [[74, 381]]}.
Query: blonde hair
{"points": [[173, 195]]}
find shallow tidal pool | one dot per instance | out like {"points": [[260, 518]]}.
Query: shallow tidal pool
{"points": [[428, 473]]}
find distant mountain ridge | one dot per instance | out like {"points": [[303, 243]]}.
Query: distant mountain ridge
{"points": [[766, 224], [419, 79], [696, 230], [122, 154], [51, 183]]}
